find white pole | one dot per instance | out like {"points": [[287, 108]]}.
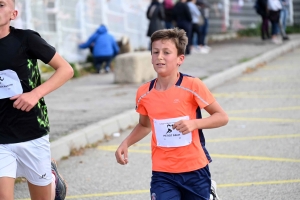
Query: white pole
{"points": [[291, 7]]}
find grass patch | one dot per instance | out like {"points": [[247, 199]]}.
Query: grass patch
{"points": [[252, 32], [45, 68], [203, 77], [244, 60]]}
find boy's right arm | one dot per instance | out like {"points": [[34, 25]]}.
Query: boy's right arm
{"points": [[141, 130]]}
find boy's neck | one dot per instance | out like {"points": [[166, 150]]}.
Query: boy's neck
{"points": [[4, 31], [164, 83]]}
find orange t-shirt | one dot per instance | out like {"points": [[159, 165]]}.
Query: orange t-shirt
{"points": [[183, 99]]}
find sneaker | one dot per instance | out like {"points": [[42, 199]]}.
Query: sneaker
{"points": [[213, 191], [204, 50], [61, 185], [207, 47], [276, 40]]}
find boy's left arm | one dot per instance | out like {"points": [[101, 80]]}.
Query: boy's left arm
{"points": [[63, 72], [217, 118]]}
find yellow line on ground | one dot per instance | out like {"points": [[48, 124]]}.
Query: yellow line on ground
{"points": [[255, 158], [262, 119], [271, 78], [258, 183], [273, 96], [132, 192], [263, 110], [114, 147], [253, 138]]}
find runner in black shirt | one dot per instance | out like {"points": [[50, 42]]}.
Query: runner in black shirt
{"points": [[24, 124]]}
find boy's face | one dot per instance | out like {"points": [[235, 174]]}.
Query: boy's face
{"points": [[164, 57], [7, 12]]}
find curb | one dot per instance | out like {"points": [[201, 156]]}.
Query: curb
{"points": [[106, 128]]}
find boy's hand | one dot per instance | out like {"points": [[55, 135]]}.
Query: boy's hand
{"points": [[122, 154], [185, 126], [25, 101]]}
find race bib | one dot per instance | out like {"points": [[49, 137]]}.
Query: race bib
{"points": [[10, 84], [167, 137]]}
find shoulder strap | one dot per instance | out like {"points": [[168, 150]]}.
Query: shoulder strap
{"points": [[177, 83], [152, 84]]}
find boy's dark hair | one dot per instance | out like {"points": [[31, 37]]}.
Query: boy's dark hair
{"points": [[178, 36]]}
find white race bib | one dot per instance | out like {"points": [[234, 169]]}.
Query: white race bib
{"points": [[10, 84], [167, 137]]}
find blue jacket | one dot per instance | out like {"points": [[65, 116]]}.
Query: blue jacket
{"points": [[104, 43]]}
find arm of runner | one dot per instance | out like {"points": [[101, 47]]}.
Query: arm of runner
{"points": [[63, 72], [141, 130], [217, 118]]}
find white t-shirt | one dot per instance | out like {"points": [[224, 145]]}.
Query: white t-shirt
{"points": [[274, 5]]}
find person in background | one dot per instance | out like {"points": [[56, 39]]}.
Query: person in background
{"points": [[156, 16], [274, 8], [283, 18], [183, 18], [204, 7], [261, 8], [196, 20], [103, 46], [168, 8]]}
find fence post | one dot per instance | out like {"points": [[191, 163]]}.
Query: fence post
{"points": [[226, 4], [291, 11], [28, 14]]}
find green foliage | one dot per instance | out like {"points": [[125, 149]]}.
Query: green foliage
{"points": [[251, 32], [76, 72], [293, 29], [45, 68]]}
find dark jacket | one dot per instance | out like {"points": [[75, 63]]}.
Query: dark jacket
{"points": [[181, 12], [168, 13], [261, 7], [104, 43], [155, 14]]}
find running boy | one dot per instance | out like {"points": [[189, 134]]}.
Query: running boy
{"points": [[179, 159], [24, 126]]}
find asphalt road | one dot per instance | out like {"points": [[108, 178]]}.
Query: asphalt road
{"points": [[256, 156]]}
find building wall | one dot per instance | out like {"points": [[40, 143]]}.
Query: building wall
{"points": [[67, 23]]}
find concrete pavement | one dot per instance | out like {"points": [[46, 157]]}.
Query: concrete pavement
{"points": [[90, 108], [256, 156]]}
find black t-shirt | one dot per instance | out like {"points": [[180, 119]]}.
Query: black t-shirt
{"points": [[19, 51]]}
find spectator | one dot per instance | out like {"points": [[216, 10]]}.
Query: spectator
{"points": [[183, 19], [196, 15], [168, 8], [283, 18], [204, 9], [261, 7], [104, 48], [156, 15], [274, 7]]}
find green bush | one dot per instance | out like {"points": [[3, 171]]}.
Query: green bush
{"points": [[251, 32], [293, 29], [76, 72]]}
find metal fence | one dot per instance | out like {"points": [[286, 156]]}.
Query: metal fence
{"points": [[66, 23]]}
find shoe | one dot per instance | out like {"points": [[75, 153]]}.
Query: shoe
{"points": [[204, 50], [61, 185], [213, 191], [285, 38], [276, 40], [195, 50], [207, 47]]}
